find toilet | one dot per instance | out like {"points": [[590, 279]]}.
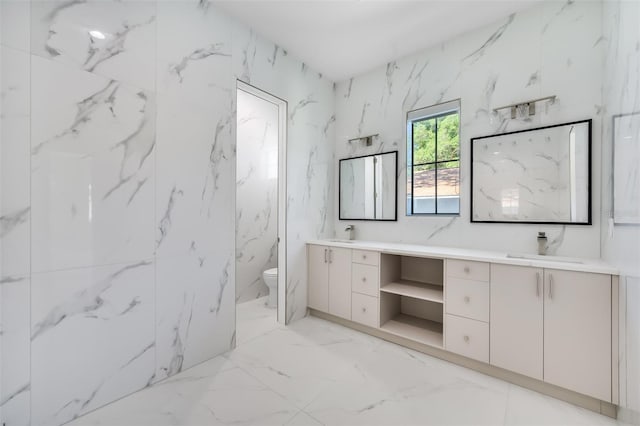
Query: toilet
{"points": [[270, 277]]}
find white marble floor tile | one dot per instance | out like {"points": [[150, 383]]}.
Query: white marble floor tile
{"points": [[319, 373], [303, 419], [526, 407], [398, 387], [254, 319], [299, 362], [214, 393], [457, 403]]}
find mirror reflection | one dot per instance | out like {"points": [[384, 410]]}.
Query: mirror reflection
{"points": [[368, 187], [533, 176]]}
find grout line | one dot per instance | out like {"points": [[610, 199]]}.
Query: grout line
{"points": [[313, 417], [155, 203], [241, 367], [103, 265], [506, 405], [30, 269], [265, 366], [626, 334], [277, 328]]}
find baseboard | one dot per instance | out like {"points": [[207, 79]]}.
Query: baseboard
{"points": [[584, 401]]}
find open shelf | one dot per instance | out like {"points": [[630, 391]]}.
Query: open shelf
{"points": [[415, 289], [417, 329], [411, 298]]}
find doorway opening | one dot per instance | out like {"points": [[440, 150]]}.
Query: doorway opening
{"points": [[260, 212]]}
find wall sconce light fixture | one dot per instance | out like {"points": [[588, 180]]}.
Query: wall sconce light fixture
{"points": [[529, 106], [367, 140]]}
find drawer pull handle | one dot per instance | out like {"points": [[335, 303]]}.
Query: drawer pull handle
{"points": [[466, 269], [364, 310], [467, 299], [364, 279], [466, 339], [364, 256]]}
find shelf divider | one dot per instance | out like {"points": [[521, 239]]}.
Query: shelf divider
{"points": [[415, 289], [416, 329]]}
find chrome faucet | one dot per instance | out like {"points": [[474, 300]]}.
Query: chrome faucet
{"points": [[351, 230]]}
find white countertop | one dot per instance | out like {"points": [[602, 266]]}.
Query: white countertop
{"points": [[549, 262]]}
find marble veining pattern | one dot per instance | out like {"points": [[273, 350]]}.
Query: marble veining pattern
{"points": [[15, 205], [310, 161], [60, 32], [553, 48], [256, 194], [120, 152], [621, 243], [15, 382], [15, 214], [194, 236], [95, 309], [79, 188], [266, 380]]}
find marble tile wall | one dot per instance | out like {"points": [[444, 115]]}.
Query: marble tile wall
{"points": [[118, 171], [310, 149], [195, 166], [621, 243], [257, 194], [15, 211], [554, 48]]}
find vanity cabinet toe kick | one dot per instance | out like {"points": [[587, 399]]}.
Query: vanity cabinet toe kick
{"points": [[486, 315]]}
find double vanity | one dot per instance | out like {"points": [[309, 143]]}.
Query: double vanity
{"points": [[546, 323]]}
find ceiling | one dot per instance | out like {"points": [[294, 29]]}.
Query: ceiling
{"points": [[345, 38]]}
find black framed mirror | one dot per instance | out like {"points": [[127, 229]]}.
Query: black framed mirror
{"points": [[540, 175], [368, 187]]}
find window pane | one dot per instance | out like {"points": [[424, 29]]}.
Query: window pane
{"points": [[449, 187], [424, 141], [433, 142], [448, 138], [424, 189]]}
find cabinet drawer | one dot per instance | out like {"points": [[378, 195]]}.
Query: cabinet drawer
{"points": [[467, 337], [364, 309], [364, 279], [366, 257], [468, 298], [478, 271]]}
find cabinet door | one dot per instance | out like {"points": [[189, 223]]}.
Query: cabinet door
{"points": [[340, 282], [577, 332], [516, 319], [318, 278]]}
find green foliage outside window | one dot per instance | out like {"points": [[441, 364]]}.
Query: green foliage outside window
{"points": [[424, 141]]}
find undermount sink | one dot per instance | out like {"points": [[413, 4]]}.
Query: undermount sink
{"points": [[339, 240], [545, 258]]}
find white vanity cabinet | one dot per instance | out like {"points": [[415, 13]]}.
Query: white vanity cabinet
{"points": [[467, 307], [549, 325], [516, 324], [318, 277], [365, 287], [577, 332], [553, 325], [329, 280]]}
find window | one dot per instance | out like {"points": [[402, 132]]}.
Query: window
{"points": [[433, 160]]}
